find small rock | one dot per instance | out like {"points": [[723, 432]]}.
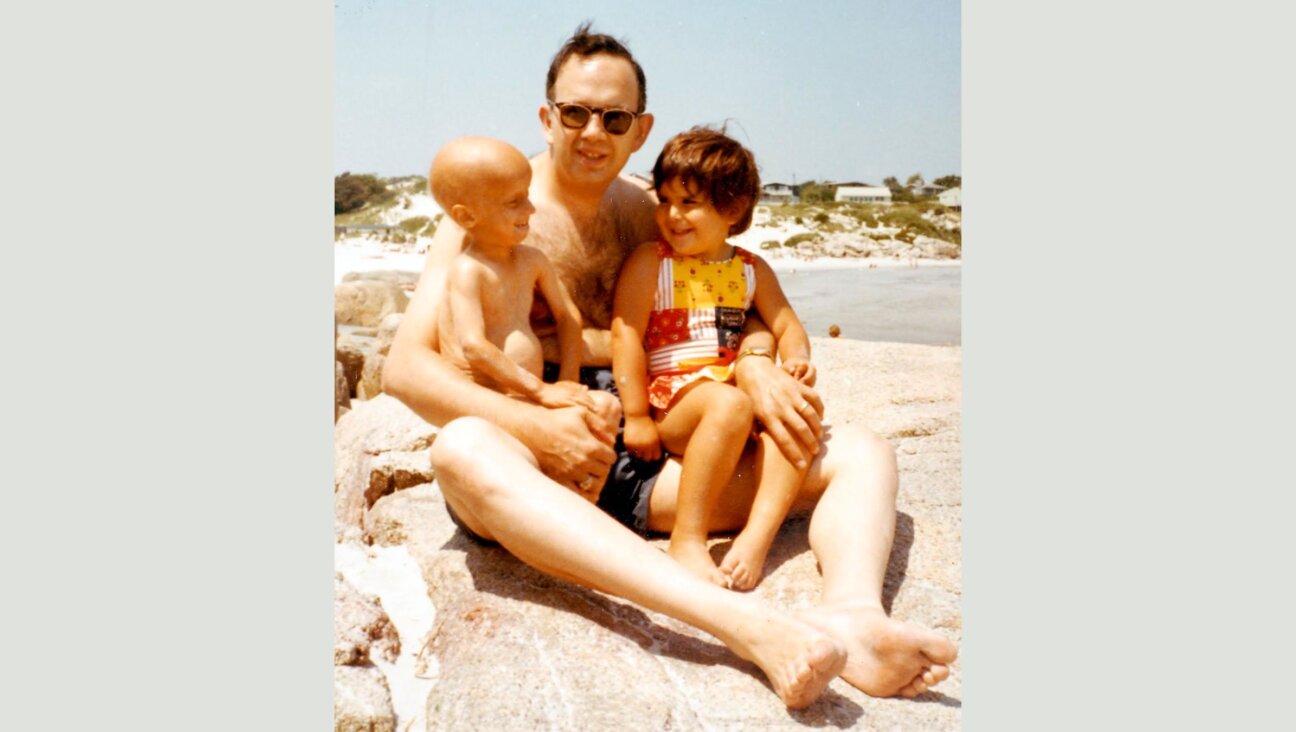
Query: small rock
{"points": [[834, 331]]}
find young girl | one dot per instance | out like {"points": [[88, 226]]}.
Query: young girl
{"points": [[678, 317]]}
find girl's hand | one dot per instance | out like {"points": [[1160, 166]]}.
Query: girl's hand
{"points": [[801, 369], [641, 438]]}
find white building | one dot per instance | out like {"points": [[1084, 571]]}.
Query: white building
{"points": [[952, 198], [777, 193], [863, 194]]}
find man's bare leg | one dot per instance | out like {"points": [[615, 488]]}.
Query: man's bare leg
{"points": [[851, 486], [491, 481]]}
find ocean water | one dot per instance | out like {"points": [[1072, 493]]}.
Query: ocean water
{"points": [[897, 304]]}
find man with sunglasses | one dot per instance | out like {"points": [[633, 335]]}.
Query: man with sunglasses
{"points": [[495, 456]]}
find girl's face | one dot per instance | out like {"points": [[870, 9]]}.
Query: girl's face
{"points": [[690, 224]]}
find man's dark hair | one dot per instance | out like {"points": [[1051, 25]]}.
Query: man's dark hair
{"points": [[584, 43]]}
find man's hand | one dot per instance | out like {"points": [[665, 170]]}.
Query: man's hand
{"points": [[641, 438], [790, 410], [801, 369], [573, 446], [565, 394]]}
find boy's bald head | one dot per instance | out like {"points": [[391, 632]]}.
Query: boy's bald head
{"points": [[469, 165]]}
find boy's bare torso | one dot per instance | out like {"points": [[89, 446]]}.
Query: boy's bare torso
{"points": [[505, 311]]}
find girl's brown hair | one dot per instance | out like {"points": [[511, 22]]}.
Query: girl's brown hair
{"points": [[708, 161]]}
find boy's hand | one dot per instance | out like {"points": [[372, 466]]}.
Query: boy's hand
{"points": [[641, 438], [801, 369], [565, 394]]}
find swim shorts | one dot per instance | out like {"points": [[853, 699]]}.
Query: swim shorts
{"points": [[630, 480]]}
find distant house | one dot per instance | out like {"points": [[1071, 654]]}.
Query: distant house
{"points": [[952, 198], [928, 189], [777, 193], [863, 194]]}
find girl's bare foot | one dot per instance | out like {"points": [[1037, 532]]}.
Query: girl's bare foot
{"points": [[884, 657], [744, 563], [696, 559], [798, 660]]}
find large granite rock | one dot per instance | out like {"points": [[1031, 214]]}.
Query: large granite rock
{"points": [[361, 629], [519, 650], [361, 700], [387, 332], [351, 354], [367, 302], [380, 446], [370, 384], [341, 392]]}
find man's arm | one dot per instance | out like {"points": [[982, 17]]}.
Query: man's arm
{"points": [[776, 397], [570, 444]]}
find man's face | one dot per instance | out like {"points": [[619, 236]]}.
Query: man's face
{"points": [[591, 155]]}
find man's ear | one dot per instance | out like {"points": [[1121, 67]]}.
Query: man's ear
{"points": [[645, 126], [463, 216], [547, 123]]}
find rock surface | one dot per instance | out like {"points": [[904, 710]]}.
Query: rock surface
{"points": [[370, 384], [521, 651], [367, 302], [379, 446], [406, 280], [351, 354], [361, 700], [360, 627], [341, 392]]}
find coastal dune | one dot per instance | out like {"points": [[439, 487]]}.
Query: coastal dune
{"points": [[512, 649]]}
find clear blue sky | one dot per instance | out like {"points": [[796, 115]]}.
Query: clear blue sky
{"points": [[826, 91]]}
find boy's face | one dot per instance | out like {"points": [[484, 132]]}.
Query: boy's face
{"points": [[689, 222], [502, 209], [591, 155]]}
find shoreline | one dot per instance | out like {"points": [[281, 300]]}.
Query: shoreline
{"points": [[366, 255]]}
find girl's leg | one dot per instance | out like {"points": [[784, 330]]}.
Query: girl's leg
{"points": [[708, 425], [777, 483]]}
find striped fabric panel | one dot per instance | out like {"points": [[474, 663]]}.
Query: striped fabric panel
{"points": [[665, 298], [668, 359]]}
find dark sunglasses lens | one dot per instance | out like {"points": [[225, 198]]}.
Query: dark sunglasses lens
{"points": [[573, 116], [616, 121]]}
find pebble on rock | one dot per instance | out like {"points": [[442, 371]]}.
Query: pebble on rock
{"points": [[834, 331]]}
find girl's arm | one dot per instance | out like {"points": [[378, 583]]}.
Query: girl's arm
{"points": [[635, 290], [784, 325]]}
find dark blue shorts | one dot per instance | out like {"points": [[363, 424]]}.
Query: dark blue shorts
{"points": [[630, 481]]}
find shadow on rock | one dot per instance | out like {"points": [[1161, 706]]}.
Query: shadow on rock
{"points": [[489, 565], [898, 564]]}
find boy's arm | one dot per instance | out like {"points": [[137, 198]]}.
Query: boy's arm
{"points": [[635, 290], [566, 316], [464, 293], [570, 444]]}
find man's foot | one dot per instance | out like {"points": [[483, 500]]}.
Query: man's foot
{"points": [[884, 657], [696, 559], [744, 563], [798, 660]]}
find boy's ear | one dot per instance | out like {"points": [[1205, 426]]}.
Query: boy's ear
{"points": [[463, 216]]}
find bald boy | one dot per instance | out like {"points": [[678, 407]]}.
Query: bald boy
{"points": [[482, 185]]}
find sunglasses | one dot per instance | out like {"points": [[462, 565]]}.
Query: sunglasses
{"points": [[575, 116]]}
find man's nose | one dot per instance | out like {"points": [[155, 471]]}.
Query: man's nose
{"points": [[594, 126]]}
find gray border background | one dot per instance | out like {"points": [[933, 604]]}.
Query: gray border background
{"points": [[1127, 369], [168, 275]]}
